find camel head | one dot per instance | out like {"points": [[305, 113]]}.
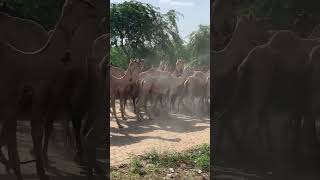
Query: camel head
{"points": [[134, 69], [179, 66], [141, 61], [73, 13], [162, 65], [255, 29]]}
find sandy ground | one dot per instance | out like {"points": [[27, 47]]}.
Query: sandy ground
{"points": [[179, 133], [62, 166]]}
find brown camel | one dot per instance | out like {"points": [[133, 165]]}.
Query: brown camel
{"points": [[85, 42], [275, 74], [131, 90], [313, 99], [315, 32], [247, 34], [118, 85], [30, 69]]}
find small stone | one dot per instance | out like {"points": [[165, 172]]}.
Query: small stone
{"points": [[169, 175], [199, 171], [183, 165], [171, 170]]}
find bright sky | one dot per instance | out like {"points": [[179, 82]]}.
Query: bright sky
{"points": [[195, 12]]}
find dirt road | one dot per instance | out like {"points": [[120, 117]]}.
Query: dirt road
{"points": [[61, 164], [179, 133]]}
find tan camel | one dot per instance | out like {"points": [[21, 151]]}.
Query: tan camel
{"points": [[179, 68], [158, 97], [195, 87], [275, 76], [118, 85], [29, 68], [161, 65], [157, 83]]}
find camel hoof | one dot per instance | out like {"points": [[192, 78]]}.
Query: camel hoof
{"points": [[120, 126], [124, 118]]}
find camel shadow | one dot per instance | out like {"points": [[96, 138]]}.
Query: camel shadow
{"points": [[178, 123]]}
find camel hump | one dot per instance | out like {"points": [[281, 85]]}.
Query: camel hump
{"points": [[283, 39]]}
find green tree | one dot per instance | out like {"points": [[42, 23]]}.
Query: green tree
{"points": [[199, 46], [141, 31]]}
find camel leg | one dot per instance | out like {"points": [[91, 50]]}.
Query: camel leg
{"points": [[9, 129], [4, 161], [76, 123], [309, 135], [122, 108], [113, 106], [48, 130], [37, 131], [10, 134], [134, 104], [146, 109], [143, 101], [138, 105], [180, 101]]}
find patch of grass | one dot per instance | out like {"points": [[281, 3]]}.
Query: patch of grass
{"points": [[201, 157], [136, 166], [155, 165]]}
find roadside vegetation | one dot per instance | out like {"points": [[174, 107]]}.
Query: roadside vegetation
{"points": [[191, 164]]}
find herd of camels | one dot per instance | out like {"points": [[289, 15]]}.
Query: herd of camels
{"points": [[158, 84], [261, 72], [61, 72]]}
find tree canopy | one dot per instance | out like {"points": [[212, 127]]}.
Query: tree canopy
{"points": [[140, 30], [199, 46], [297, 15]]}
